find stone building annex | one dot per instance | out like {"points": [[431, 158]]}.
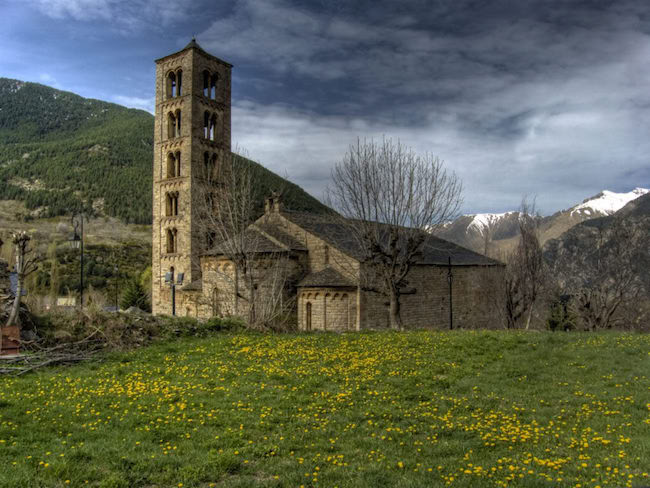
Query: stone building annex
{"points": [[320, 263]]}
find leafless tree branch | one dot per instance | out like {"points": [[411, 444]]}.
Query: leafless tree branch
{"points": [[390, 197]]}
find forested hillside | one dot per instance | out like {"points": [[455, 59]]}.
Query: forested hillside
{"points": [[59, 151]]}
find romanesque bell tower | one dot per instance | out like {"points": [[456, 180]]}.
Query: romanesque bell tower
{"points": [[192, 131]]}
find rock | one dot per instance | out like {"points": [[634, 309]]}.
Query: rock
{"points": [[135, 310]]}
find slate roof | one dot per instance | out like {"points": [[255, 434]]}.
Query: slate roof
{"points": [[327, 277], [434, 250], [195, 45], [283, 237], [254, 240]]}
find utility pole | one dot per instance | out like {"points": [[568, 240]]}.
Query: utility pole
{"points": [[450, 279]]}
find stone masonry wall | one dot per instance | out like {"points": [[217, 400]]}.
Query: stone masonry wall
{"points": [[270, 272], [191, 144], [321, 254], [327, 309], [429, 306]]}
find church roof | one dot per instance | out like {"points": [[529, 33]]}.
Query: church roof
{"points": [[327, 277], [253, 241], [282, 237], [337, 233], [195, 45]]}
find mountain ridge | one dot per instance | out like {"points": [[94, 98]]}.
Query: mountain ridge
{"points": [[61, 152], [498, 231]]}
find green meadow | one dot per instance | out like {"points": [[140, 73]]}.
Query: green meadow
{"points": [[384, 409]]}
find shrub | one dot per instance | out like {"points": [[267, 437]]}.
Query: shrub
{"points": [[134, 295], [560, 315]]}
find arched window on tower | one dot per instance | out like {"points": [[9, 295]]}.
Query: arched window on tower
{"points": [[210, 201], [206, 125], [178, 163], [171, 85], [178, 123], [171, 207], [213, 86], [207, 173], [179, 82], [214, 170], [172, 243], [213, 127], [206, 83], [210, 239], [171, 165], [171, 125]]}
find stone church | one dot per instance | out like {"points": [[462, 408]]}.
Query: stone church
{"points": [[320, 264]]}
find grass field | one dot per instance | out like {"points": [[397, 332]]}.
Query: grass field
{"points": [[410, 409]]}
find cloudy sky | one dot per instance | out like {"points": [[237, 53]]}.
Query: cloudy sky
{"points": [[543, 98]]}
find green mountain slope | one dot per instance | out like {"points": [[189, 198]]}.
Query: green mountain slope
{"points": [[60, 151]]}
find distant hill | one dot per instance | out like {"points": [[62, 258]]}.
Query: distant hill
{"points": [[498, 232], [60, 151], [587, 241]]}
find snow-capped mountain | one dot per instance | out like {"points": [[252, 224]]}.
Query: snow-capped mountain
{"points": [[484, 221], [472, 231], [497, 231], [607, 202]]}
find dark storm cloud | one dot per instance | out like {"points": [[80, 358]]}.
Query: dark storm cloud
{"points": [[549, 98], [519, 97]]}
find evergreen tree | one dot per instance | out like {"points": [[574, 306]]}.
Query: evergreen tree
{"points": [[134, 295]]}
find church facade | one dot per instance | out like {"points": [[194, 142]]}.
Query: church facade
{"points": [[312, 259]]}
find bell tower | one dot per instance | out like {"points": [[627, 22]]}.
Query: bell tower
{"points": [[191, 133]]}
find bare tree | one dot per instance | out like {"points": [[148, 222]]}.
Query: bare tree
{"points": [[26, 264], [231, 206], [525, 270], [609, 278], [390, 197]]}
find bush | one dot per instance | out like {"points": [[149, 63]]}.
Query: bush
{"points": [[560, 315], [119, 331], [224, 324], [134, 295]]}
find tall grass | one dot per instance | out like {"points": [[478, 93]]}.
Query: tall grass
{"points": [[387, 409]]}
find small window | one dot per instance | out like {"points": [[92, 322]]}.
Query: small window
{"points": [[206, 83], [213, 168], [206, 125], [206, 165], [211, 239], [213, 86], [178, 123], [171, 125], [213, 127], [171, 206], [172, 243], [179, 83], [215, 302], [171, 85], [171, 165], [308, 316]]}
